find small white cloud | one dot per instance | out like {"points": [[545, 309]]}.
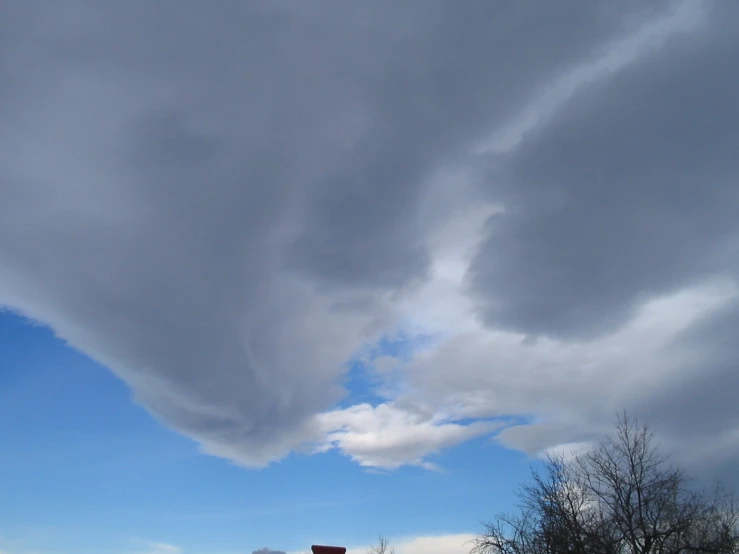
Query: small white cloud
{"points": [[165, 548], [267, 550], [441, 544], [157, 548], [388, 437], [427, 544]]}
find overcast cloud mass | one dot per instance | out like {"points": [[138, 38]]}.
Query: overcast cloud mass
{"points": [[225, 204]]}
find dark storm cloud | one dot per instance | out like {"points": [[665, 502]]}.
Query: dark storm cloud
{"points": [[630, 191], [700, 407], [188, 193]]}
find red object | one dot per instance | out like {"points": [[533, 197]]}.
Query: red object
{"points": [[318, 549]]}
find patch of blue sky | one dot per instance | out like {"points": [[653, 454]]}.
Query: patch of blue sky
{"points": [[91, 469], [374, 374]]}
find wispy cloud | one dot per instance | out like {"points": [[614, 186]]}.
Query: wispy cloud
{"points": [[685, 17], [154, 547]]}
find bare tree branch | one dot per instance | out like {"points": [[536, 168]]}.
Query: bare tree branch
{"points": [[623, 497], [382, 547]]}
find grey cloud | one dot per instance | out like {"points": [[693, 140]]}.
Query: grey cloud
{"points": [[673, 364], [708, 394], [698, 410], [531, 438], [441, 91], [628, 192], [215, 202]]}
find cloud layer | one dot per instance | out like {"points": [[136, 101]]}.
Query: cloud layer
{"points": [[226, 212]]}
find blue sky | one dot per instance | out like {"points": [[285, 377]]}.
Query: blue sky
{"points": [[85, 469], [317, 271]]}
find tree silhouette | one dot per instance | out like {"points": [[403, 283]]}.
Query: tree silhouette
{"points": [[622, 497]]}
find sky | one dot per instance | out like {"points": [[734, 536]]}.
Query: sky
{"points": [[277, 273]]}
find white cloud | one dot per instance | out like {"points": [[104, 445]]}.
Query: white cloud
{"points": [[388, 437], [459, 543], [155, 547], [573, 388], [459, 214], [442, 544], [163, 548]]}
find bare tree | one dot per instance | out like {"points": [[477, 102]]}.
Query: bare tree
{"points": [[622, 497], [382, 547]]}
